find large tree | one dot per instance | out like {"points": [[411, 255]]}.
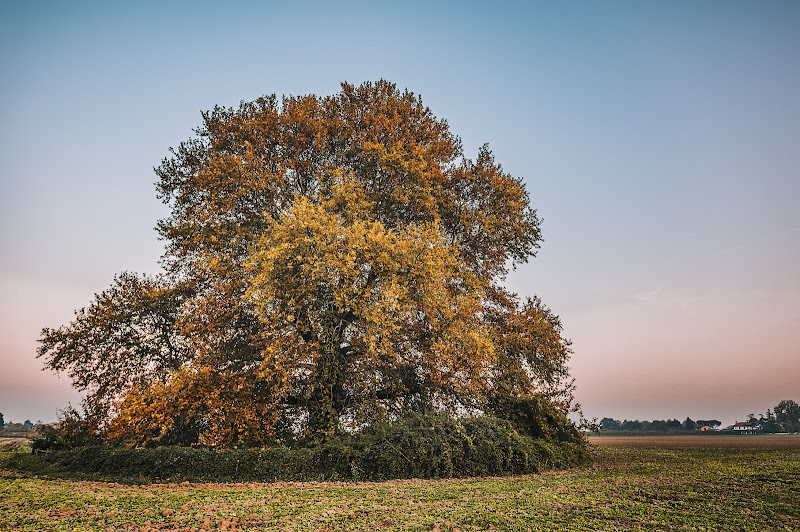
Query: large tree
{"points": [[331, 261]]}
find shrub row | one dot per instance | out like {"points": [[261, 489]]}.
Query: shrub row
{"points": [[418, 446]]}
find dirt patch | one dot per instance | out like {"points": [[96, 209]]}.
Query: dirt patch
{"points": [[716, 441], [8, 445]]}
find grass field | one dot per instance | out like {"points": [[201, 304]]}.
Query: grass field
{"points": [[641, 483]]}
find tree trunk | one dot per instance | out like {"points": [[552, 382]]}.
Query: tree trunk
{"points": [[323, 417]]}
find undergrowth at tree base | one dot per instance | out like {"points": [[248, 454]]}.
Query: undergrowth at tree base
{"points": [[417, 446]]}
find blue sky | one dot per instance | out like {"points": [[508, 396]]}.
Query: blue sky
{"points": [[660, 144]]}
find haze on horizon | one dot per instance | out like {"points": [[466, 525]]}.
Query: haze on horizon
{"points": [[659, 143]]}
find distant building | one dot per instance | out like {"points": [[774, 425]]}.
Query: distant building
{"points": [[705, 428], [747, 427]]}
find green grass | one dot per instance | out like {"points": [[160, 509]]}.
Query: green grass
{"points": [[627, 488]]}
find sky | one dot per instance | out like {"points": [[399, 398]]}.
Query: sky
{"points": [[659, 142]]}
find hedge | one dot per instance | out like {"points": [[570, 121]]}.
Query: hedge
{"points": [[418, 446]]}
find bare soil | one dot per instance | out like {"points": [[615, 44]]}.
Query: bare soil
{"points": [[713, 441], [8, 445]]}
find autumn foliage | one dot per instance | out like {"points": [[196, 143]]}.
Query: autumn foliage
{"points": [[332, 263]]}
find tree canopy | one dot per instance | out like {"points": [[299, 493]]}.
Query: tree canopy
{"points": [[785, 417], [331, 262]]}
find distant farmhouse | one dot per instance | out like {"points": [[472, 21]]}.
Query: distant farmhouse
{"points": [[747, 427]]}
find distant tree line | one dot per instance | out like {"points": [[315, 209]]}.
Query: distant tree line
{"points": [[785, 417], [608, 424], [11, 429], [3, 425]]}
